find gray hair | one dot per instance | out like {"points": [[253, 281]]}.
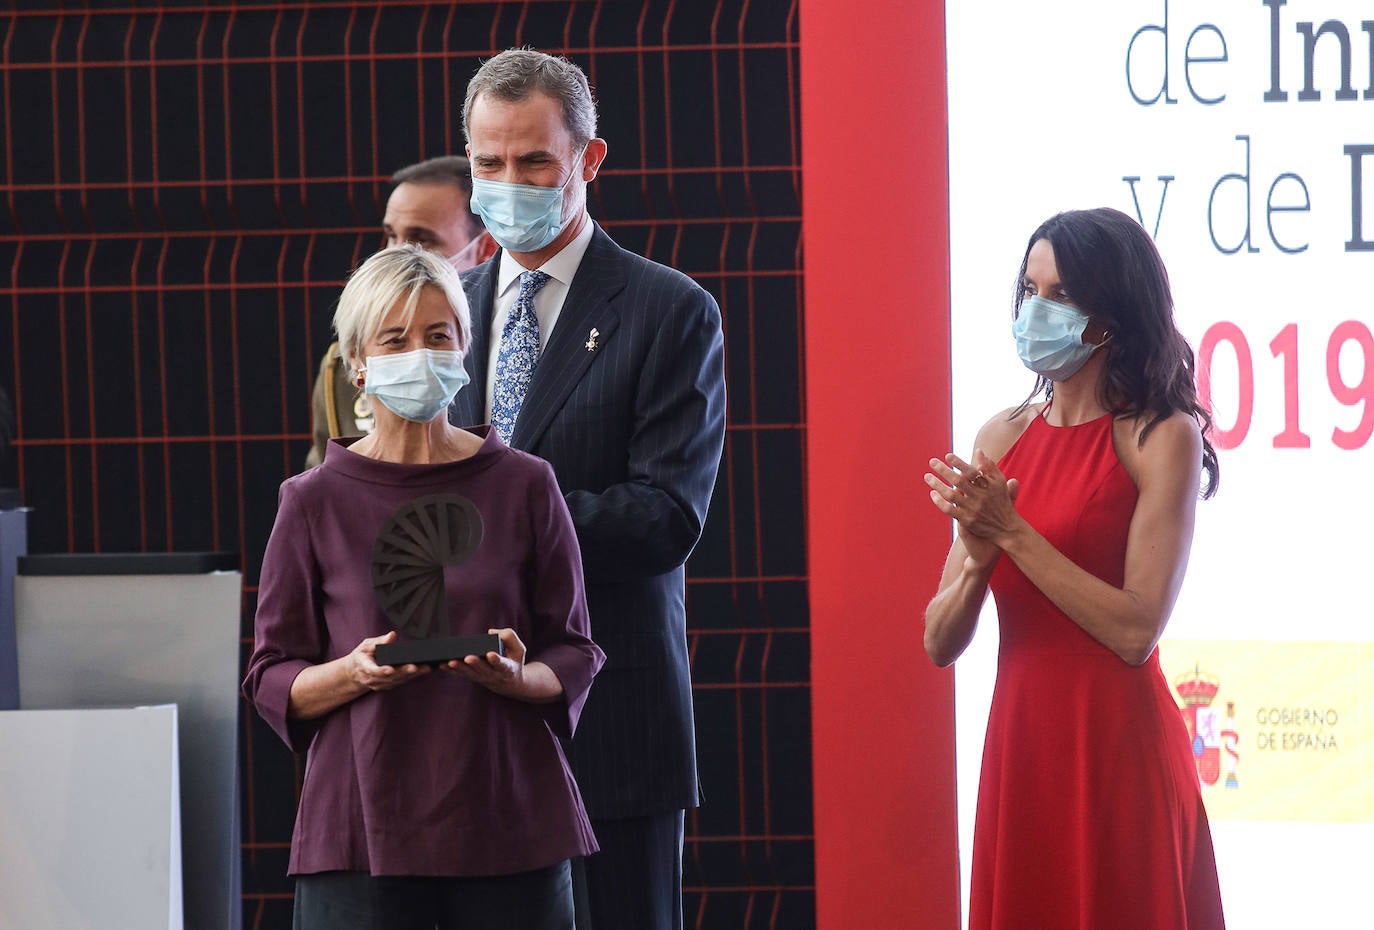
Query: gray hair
{"points": [[517, 73], [392, 275]]}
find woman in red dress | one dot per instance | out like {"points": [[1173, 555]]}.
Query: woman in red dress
{"points": [[1076, 511]]}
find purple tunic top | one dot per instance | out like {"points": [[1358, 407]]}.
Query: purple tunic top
{"points": [[439, 776]]}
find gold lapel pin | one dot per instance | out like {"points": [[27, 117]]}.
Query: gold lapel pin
{"points": [[591, 340]]}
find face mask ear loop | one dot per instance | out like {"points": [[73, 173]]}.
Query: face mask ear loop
{"points": [[577, 159]]}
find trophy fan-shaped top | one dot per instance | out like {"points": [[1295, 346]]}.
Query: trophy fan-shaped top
{"points": [[409, 557]]}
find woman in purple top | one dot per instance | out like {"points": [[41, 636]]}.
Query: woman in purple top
{"points": [[432, 797]]}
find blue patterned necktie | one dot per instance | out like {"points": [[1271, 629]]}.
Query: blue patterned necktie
{"points": [[518, 355]]}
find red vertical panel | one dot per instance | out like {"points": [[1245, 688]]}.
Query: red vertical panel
{"points": [[875, 208]]}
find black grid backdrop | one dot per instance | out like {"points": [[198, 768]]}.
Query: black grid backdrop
{"points": [[186, 186]]}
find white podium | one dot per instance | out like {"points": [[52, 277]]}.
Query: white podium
{"points": [[90, 832], [157, 628]]}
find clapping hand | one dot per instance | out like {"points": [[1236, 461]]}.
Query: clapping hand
{"points": [[978, 497]]}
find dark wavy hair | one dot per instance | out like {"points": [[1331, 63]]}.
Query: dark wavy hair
{"points": [[1110, 267]]}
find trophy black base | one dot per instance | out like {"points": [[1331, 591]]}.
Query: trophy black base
{"points": [[438, 650]]}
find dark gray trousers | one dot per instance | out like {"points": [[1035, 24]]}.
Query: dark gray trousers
{"points": [[538, 900], [635, 881]]}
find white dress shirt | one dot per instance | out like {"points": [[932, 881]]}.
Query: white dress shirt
{"points": [[548, 303]]}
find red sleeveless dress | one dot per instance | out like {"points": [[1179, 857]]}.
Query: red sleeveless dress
{"points": [[1089, 812]]}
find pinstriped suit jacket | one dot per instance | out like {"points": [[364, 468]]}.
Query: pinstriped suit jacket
{"points": [[633, 428]]}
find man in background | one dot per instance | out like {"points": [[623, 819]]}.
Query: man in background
{"points": [[429, 206], [611, 368]]}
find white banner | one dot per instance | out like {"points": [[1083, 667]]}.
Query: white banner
{"points": [[1241, 135]]}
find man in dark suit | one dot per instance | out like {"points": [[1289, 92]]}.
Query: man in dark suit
{"points": [[610, 367]]}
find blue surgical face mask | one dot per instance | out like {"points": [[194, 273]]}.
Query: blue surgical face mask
{"points": [[415, 385], [521, 217], [1049, 338]]}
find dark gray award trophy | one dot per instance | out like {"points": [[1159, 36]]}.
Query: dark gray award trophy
{"points": [[408, 561]]}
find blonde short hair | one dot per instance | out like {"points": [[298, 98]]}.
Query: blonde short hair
{"points": [[392, 275]]}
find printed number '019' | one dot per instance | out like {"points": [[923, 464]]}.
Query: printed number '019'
{"points": [[1285, 346]]}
